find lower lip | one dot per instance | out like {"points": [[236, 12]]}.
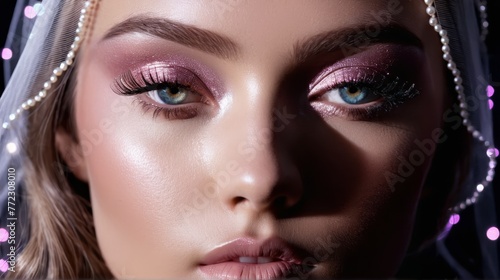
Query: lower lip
{"points": [[236, 270]]}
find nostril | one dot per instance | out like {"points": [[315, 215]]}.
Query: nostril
{"points": [[238, 199]]}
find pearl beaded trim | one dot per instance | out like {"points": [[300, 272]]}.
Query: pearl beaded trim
{"points": [[434, 22], [81, 31], [483, 16]]}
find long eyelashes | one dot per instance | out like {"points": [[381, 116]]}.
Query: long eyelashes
{"points": [[148, 82], [151, 78], [127, 84], [390, 90], [381, 92]]}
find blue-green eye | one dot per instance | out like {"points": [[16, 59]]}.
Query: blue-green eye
{"points": [[172, 94], [351, 94]]}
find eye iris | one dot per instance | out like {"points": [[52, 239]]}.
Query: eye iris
{"points": [[172, 94], [353, 94], [352, 90]]}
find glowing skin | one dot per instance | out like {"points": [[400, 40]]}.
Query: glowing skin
{"points": [[257, 156]]}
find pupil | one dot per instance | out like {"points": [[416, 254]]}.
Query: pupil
{"points": [[352, 90], [174, 90]]}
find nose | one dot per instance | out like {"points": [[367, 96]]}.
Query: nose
{"points": [[254, 166]]}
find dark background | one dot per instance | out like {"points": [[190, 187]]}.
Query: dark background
{"points": [[435, 268]]}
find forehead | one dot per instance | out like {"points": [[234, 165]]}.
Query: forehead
{"points": [[260, 25]]}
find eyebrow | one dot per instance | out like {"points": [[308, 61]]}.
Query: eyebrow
{"points": [[191, 36], [349, 40], [353, 39]]}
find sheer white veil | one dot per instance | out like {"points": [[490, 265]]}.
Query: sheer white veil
{"points": [[38, 46], [462, 21], [45, 43]]}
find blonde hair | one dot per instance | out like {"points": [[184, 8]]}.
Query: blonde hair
{"points": [[57, 235], [62, 241]]}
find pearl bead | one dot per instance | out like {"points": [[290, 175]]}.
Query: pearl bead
{"points": [[430, 10], [69, 62], [447, 57], [42, 93], [30, 102], [38, 98], [5, 125], [445, 40], [63, 66], [457, 80], [53, 79], [443, 33], [58, 71], [433, 21], [25, 106], [429, 2], [438, 28], [47, 85], [12, 117], [446, 49]]}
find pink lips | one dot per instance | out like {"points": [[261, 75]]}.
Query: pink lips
{"points": [[246, 258]]}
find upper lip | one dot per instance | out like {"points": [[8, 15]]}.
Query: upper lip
{"points": [[274, 248]]}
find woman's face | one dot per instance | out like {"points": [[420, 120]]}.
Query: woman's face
{"points": [[257, 139]]}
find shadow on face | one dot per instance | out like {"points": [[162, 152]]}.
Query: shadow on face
{"points": [[200, 124]]}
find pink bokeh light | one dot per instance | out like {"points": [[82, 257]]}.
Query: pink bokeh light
{"points": [[4, 266], [454, 219], [4, 235], [6, 54], [29, 12], [490, 102], [492, 233], [490, 91]]}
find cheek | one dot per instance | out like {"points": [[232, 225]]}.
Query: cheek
{"points": [[394, 159], [136, 178]]}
